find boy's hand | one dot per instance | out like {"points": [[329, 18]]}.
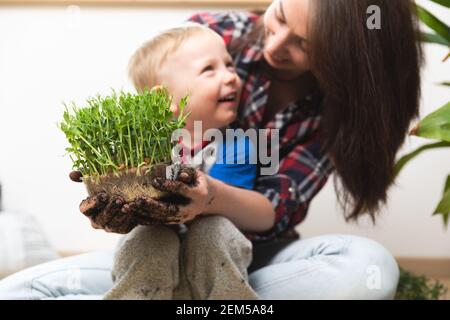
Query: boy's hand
{"points": [[191, 184], [114, 214], [179, 206], [105, 213]]}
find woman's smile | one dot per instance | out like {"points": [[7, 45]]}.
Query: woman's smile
{"points": [[277, 60]]}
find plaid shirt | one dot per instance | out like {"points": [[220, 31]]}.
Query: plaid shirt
{"points": [[303, 168]]}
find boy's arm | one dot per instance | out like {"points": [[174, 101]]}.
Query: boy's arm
{"points": [[229, 187], [249, 210]]}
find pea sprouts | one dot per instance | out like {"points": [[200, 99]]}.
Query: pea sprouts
{"points": [[121, 131]]}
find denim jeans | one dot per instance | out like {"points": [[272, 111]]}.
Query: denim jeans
{"points": [[324, 267]]}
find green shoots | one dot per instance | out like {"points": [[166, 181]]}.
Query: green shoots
{"points": [[121, 131]]}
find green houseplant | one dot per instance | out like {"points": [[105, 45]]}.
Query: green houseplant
{"points": [[435, 126]]}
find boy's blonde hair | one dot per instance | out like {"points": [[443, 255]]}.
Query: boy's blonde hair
{"points": [[148, 59]]}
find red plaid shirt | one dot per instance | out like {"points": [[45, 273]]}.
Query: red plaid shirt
{"points": [[303, 169]]}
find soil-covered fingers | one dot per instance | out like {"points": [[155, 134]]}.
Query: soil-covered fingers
{"points": [[146, 212], [121, 222], [156, 208], [186, 180], [93, 205], [170, 186], [148, 221], [121, 228], [165, 212], [161, 212], [110, 212], [188, 175], [106, 213]]}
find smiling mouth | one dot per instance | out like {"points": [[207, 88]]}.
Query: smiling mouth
{"points": [[276, 59], [232, 97]]}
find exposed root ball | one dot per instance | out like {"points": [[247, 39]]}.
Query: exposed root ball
{"points": [[122, 200], [127, 185]]}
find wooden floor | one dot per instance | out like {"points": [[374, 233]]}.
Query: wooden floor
{"points": [[433, 268]]}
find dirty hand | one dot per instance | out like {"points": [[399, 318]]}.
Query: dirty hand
{"points": [[106, 213], [192, 185], [112, 214]]}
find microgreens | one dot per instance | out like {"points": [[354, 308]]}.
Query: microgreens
{"points": [[121, 131]]}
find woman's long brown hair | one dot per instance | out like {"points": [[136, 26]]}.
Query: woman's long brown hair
{"points": [[371, 85], [371, 81]]}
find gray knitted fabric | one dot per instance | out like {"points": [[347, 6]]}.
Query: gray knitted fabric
{"points": [[209, 260]]}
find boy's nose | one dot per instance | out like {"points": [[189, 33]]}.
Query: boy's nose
{"points": [[230, 77]]}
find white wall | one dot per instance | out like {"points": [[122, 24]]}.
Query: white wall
{"points": [[53, 54]]}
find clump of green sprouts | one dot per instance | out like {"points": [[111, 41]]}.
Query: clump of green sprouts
{"points": [[121, 131]]}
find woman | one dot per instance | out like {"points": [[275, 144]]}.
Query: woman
{"points": [[343, 97]]}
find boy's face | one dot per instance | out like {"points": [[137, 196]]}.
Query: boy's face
{"points": [[202, 67]]}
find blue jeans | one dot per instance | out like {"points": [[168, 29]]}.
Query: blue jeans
{"points": [[324, 267]]}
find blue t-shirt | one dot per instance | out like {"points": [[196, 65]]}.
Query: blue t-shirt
{"points": [[232, 161], [236, 167]]}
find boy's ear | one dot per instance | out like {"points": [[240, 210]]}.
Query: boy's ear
{"points": [[157, 87], [173, 107]]}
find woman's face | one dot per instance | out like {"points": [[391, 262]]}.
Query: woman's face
{"points": [[286, 46]]}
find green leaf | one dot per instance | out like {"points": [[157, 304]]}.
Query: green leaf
{"points": [[444, 83], [408, 157], [430, 37], [436, 125], [447, 184], [443, 207], [434, 23], [445, 3]]}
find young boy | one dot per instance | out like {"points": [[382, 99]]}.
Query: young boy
{"points": [[209, 259]]}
